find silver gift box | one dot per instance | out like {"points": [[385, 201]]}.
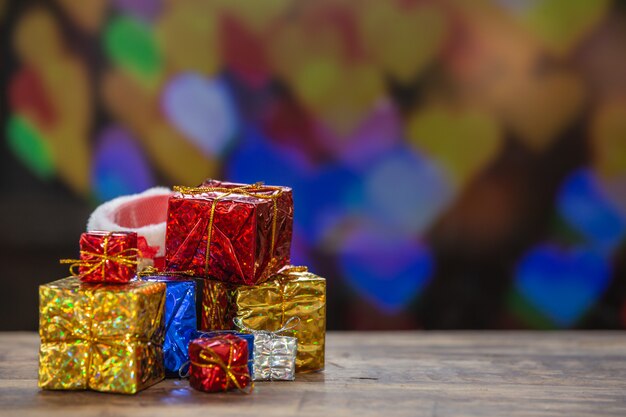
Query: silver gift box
{"points": [[274, 357]]}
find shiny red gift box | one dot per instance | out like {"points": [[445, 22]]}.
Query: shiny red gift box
{"points": [[219, 363], [106, 257], [230, 232]]}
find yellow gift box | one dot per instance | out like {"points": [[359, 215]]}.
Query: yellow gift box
{"points": [[293, 292], [102, 337]]}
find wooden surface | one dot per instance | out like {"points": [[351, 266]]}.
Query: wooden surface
{"points": [[374, 374]]}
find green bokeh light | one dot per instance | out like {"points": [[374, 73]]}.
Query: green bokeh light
{"points": [[131, 45], [29, 146]]}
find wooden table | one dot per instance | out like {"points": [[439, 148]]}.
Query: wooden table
{"points": [[374, 374]]}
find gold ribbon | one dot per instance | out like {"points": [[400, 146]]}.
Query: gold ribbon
{"points": [[213, 310], [150, 271], [289, 269], [212, 359], [92, 340], [126, 257], [257, 190], [285, 274]]}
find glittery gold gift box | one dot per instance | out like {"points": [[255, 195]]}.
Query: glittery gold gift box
{"points": [[293, 292], [102, 337]]}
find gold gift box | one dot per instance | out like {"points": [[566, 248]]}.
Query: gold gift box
{"points": [[293, 292], [102, 337]]}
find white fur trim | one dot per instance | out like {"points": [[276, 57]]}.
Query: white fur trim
{"points": [[102, 219]]}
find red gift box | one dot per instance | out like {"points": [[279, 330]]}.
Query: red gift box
{"points": [[106, 257], [219, 363], [231, 232]]}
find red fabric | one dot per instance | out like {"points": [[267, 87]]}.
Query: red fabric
{"points": [[241, 235], [142, 212], [205, 375], [159, 263], [93, 244], [145, 250]]}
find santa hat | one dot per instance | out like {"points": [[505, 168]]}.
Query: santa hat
{"points": [[144, 213]]}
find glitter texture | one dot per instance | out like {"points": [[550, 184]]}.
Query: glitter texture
{"points": [[248, 337], [101, 337], [180, 321], [241, 237], [219, 363], [294, 292], [106, 257]]}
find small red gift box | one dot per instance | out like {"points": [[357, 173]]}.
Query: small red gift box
{"points": [[219, 363], [231, 232], [106, 257]]}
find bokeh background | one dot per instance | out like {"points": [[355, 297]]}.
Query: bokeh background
{"points": [[456, 163]]}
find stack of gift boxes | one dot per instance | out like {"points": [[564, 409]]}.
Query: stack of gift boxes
{"points": [[111, 329]]}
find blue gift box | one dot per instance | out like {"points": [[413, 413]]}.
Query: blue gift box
{"points": [[180, 322], [245, 336]]}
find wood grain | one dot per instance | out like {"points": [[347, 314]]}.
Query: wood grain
{"points": [[374, 374]]}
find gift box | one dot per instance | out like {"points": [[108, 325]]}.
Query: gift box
{"points": [[274, 357], [180, 321], [219, 363], [230, 232], [271, 357], [274, 354], [144, 213], [101, 337], [248, 337], [293, 292], [105, 257]]}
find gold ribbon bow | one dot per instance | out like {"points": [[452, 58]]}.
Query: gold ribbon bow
{"points": [[211, 359], [257, 190], [126, 257]]}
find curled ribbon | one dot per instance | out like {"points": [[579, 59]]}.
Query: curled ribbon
{"points": [[289, 269], [211, 359], [126, 257], [257, 190]]}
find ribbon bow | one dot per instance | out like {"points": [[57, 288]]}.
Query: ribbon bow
{"points": [[126, 257], [257, 190]]}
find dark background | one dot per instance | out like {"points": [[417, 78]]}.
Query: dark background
{"points": [[402, 201]]}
